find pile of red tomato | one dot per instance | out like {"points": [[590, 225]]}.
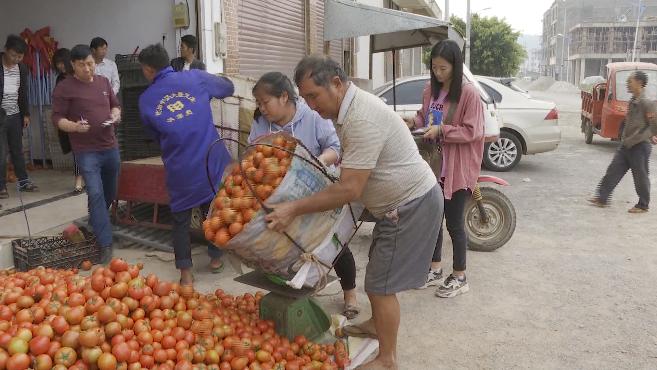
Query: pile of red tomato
{"points": [[117, 319], [263, 167]]}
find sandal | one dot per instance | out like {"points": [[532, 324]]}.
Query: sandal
{"points": [[350, 311], [78, 189], [218, 269], [4, 194], [360, 331]]}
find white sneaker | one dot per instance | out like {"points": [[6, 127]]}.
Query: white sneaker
{"points": [[434, 278], [452, 286]]}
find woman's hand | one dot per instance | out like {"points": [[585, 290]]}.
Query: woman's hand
{"points": [[410, 122], [433, 132]]}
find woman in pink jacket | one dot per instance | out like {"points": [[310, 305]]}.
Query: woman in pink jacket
{"points": [[462, 139]]}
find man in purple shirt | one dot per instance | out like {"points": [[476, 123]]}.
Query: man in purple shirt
{"points": [[85, 106]]}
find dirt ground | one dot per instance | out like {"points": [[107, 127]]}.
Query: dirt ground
{"points": [[573, 289]]}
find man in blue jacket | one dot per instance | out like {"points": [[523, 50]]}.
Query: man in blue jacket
{"points": [[176, 109]]}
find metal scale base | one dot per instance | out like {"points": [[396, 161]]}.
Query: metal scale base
{"points": [[293, 311]]}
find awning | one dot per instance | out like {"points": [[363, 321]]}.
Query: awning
{"points": [[389, 29]]}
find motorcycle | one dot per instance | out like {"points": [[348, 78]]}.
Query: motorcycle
{"points": [[490, 218]]}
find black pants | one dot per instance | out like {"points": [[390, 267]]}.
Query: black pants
{"points": [[455, 220], [636, 159], [345, 268], [11, 134], [182, 247]]}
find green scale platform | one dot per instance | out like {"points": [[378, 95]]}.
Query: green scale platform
{"points": [[293, 311]]}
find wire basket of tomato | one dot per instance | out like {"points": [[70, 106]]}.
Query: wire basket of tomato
{"points": [[278, 168]]}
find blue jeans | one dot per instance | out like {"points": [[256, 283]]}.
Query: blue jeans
{"points": [[100, 171], [181, 240]]}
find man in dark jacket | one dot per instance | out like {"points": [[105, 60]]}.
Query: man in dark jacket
{"points": [[639, 133], [14, 113], [187, 59]]}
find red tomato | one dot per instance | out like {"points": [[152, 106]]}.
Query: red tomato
{"points": [[118, 265], [19, 361], [106, 314], [39, 345], [160, 356], [65, 356], [43, 362], [146, 361], [107, 361]]}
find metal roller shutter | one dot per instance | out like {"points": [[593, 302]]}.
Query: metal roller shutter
{"points": [[271, 36]]}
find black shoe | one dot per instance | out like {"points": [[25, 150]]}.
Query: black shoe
{"points": [[28, 186], [106, 255], [4, 194]]}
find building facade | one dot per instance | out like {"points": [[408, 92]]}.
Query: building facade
{"points": [[581, 36]]}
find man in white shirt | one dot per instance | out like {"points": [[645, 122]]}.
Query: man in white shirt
{"points": [[382, 168], [105, 67]]}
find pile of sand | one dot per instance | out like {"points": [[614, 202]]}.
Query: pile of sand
{"points": [[542, 83], [563, 87]]}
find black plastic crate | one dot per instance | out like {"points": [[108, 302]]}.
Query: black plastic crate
{"points": [[54, 252]]}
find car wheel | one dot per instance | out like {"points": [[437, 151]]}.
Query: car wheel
{"points": [[588, 132], [504, 154]]}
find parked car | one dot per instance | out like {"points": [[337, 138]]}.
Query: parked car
{"points": [[408, 95], [529, 126], [508, 82]]}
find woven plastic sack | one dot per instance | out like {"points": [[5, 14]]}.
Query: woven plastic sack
{"points": [[306, 253]]}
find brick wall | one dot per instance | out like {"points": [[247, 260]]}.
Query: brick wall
{"points": [[232, 63]]}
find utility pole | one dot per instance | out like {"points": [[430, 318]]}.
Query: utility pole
{"points": [[563, 41], [636, 31], [467, 36], [446, 10]]}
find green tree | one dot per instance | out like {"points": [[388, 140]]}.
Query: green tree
{"points": [[494, 47]]}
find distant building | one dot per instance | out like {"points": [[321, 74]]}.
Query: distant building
{"points": [[581, 36]]}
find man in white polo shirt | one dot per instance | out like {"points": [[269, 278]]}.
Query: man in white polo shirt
{"points": [[382, 168], [105, 67]]}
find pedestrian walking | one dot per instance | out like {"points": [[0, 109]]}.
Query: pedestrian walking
{"points": [[639, 134], [84, 105]]}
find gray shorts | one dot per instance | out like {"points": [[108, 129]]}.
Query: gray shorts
{"points": [[402, 245]]}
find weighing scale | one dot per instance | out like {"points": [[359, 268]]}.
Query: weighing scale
{"points": [[293, 311]]}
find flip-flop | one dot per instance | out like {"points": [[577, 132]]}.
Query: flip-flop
{"points": [[78, 189], [217, 270], [356, 330], [350, 311]]}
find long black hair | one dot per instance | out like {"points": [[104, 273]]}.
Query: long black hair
{"points": [[451, 52], [275, 84], [62, 55]]}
